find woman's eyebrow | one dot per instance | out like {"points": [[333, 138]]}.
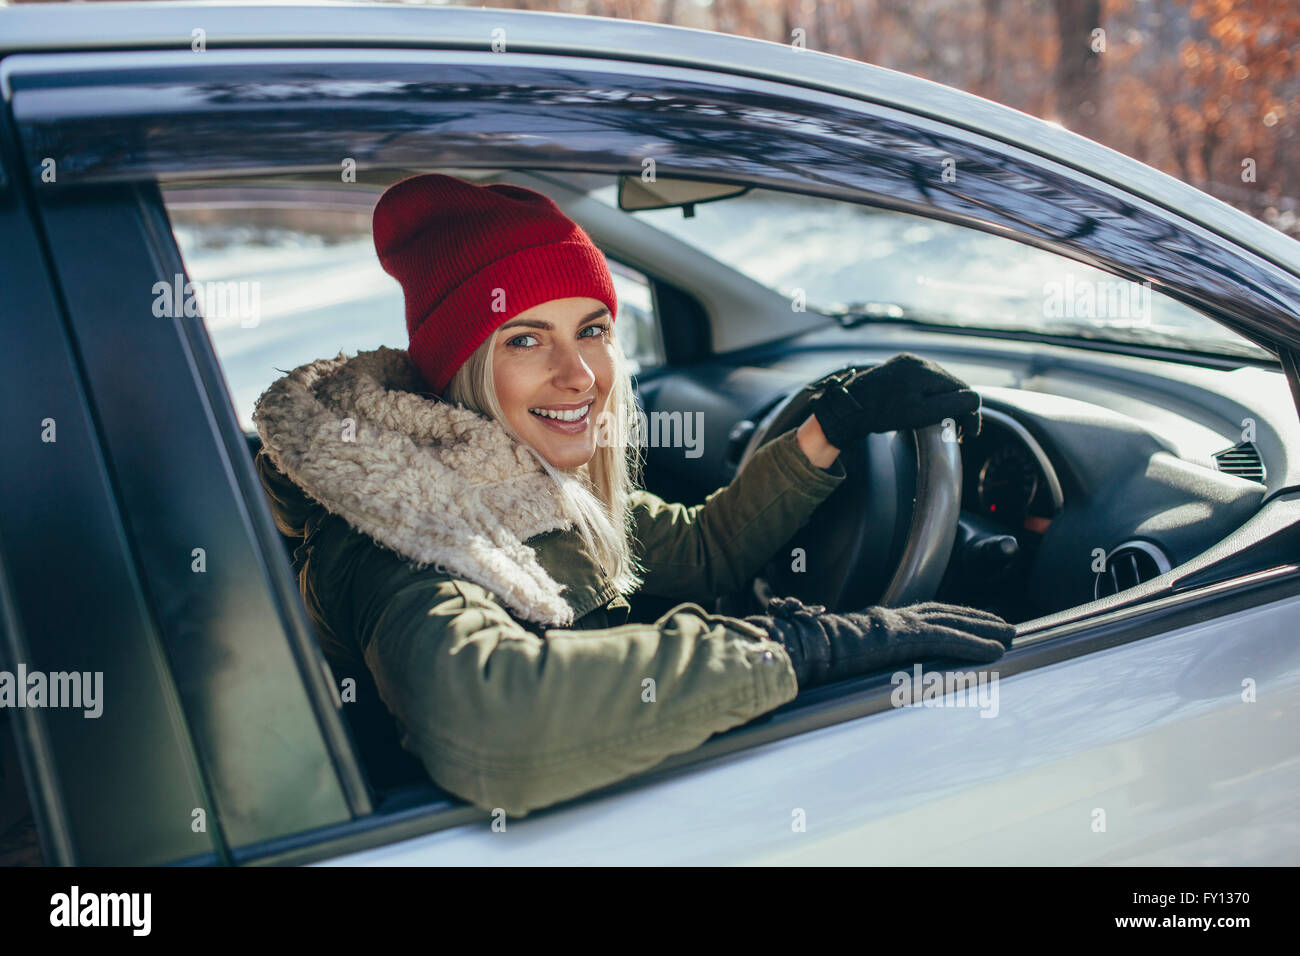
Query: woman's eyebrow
{"points": [[547, 326]]}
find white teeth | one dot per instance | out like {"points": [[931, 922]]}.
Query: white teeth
{"points": [[572, 415]]}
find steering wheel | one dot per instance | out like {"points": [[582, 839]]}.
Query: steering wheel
{"points": [[897, 508]]}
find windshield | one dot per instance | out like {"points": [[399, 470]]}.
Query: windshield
{"points": [[850, 258]]}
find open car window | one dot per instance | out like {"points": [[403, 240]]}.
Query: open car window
{"points": [[283, 277], [287, 274]]}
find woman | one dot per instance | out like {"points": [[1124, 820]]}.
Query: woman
{"points": [[472, 528]]}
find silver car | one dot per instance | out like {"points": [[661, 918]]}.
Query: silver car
{"points": [[770, 214]]}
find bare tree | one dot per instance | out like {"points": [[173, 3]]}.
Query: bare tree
{"points": [[1078, 69]]}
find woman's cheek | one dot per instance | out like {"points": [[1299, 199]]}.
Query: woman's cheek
{"points": [[605, 373]]}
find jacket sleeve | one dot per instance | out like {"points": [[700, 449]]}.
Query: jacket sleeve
{"points": [[506, 718], [712, 549]]}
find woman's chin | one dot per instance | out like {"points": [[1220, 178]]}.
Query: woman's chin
{"points": [[565, 451], [569, 458]]}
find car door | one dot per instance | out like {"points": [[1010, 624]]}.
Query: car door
{"points": [[838, 770], [1147, 752]]}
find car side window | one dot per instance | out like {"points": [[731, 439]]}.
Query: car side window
{"points": [[637, 325]]}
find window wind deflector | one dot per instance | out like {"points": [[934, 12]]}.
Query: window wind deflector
{"points": [[864, 313]]}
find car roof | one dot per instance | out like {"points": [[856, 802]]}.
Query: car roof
{"points": [[86, 27]]}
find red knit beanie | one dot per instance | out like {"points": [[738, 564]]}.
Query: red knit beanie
{"points": [[470, 258]]}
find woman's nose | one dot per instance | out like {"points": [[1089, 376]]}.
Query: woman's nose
{"points": [[570, 370]]}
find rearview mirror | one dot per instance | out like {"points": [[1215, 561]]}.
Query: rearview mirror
{"points": [[635, 194]]}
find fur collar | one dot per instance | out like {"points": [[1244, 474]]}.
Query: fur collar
{"points": [[435, 482]]}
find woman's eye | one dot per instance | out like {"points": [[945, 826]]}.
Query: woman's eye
{"points": [[528, 340]]}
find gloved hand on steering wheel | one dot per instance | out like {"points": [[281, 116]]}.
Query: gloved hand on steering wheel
{"points": [[905, 392]]}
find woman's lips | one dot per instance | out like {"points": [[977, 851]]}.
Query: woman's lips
{"points": [[567, 428]]}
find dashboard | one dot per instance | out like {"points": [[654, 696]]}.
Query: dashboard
{"points": [[1081, 453]]}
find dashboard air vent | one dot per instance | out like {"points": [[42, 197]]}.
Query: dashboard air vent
{"points": [[1241, 460], [1132, 563]]}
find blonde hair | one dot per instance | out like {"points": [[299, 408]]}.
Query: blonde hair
{"points": [[594, 494]]}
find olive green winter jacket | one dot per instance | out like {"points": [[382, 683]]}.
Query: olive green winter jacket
{"points": [[428, 590]]}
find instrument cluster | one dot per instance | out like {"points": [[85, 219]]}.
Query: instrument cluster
{"points": [[1007, 478]]}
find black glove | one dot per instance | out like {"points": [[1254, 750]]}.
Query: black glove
{"points": [[905, 392], [828, 647]]}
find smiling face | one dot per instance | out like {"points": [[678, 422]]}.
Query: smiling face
{"points": [[553, 367]]}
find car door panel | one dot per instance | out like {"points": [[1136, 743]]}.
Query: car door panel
{"points": [[1145, 753]]}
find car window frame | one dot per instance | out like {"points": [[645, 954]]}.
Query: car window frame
{"points": [[1250, 292]]}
